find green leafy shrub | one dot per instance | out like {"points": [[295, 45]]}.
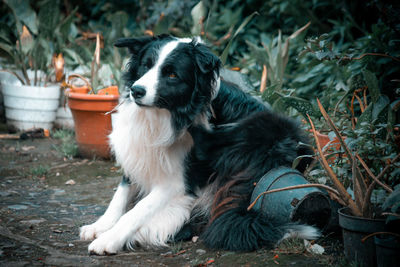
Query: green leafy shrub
{"points": [[29, 38]]}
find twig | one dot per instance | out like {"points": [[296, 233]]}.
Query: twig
{"points": [[367, 197], [264, 76], [371, 54], [225, 37], [9, 136], [372, 185], [330, 189], [339, 186], [358, 190], [338, 103], [338, 135], [74, 76], [368, 170], [378, 233], [391, 214]]}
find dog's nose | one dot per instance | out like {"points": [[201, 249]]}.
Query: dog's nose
{"points": [[138, 91]]}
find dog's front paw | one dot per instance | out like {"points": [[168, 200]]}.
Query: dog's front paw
{"points": [[94, 230], [106, 244]]}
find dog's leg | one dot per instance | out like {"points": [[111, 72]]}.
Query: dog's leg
{"points": [[163, 226], [113, 240], [115, 210]]}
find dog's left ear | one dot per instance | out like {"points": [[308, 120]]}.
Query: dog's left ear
{"points": [[205, 60]]}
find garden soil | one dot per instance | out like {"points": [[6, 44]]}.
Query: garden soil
{"points": [[45, 198]]}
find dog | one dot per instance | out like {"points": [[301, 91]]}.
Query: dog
{"points": [[191, 146]]}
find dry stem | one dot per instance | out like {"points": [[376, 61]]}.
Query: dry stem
{"points": [[339, 186], [330, 189]]}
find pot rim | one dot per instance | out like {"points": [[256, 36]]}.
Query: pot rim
{"points": [[81, 96], [346, 214]]}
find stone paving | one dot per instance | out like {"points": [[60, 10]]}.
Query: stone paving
{"points": [[45, 198]]}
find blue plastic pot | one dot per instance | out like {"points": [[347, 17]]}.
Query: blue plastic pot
{"points": [[306, 205]]}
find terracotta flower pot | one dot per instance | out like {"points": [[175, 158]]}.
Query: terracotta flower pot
{"points": [[92, 120]]}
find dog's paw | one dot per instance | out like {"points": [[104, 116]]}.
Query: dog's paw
{"points": [[106, 244], [94, 230]]}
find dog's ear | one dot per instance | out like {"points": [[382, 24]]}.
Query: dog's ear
{"points": [[205, 60], [134, 44]]}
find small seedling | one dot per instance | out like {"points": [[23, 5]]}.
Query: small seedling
{"points": [[68, 147], [40, 170]]}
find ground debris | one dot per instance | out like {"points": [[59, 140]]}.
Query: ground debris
{"points": [[313, 248], [27, 148], [70, 182]]}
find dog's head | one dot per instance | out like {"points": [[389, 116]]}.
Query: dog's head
{"points": [[180, 75]]}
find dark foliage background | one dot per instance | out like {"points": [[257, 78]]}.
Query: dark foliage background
{"points": [[348, 57]]}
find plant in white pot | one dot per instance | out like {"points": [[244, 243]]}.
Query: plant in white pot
{"points": [[29, 41]]}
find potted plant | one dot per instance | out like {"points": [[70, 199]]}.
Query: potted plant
{"points": [[29, 42], [91, 108], [388, 243], [368, 166]]}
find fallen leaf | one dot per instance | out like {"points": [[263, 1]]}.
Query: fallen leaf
{"points": [[210, 261]]}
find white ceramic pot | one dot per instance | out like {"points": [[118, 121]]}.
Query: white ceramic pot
{"points": [[64, 118], [30, 106]]}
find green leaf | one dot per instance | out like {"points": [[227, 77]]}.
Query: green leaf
{"points": [[66, 26], [258, 53], [118, 22], [7, 48], [23, 12], [74, 56], [268, 94], [366, 116], [49, 16], [225, 53], [372, 83], [392, 199], [301, 105], [395, 105], [198, 12], [379, 106]]}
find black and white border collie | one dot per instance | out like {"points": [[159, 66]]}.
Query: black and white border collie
{"points": [[191, 147]]}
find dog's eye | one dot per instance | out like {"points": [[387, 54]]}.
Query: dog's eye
{"points": [[172, 75]]}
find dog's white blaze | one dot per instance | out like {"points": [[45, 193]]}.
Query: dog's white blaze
{"points": [[150, 79]]}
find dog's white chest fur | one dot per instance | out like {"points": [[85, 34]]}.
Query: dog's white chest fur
{"points": [[145, 146]]}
